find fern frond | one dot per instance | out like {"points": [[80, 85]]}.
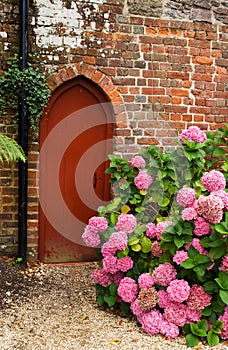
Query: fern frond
{"points": [[10, 151]]}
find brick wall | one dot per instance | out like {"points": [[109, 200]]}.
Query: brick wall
{"points": [[163, 65]]}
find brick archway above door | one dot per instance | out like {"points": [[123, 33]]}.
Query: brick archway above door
{"points": [[92, 73]]}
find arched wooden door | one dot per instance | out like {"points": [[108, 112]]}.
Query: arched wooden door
{"points": [[75, 141]]}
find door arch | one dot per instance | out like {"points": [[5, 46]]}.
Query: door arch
{"points": [[75, 139]]}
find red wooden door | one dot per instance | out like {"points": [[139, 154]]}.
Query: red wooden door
{"points": [[75, 140]]}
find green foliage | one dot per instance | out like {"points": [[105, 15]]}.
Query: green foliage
{"points": [[199, 330], [176, 236], [36, 90], [197, 262], [10, 151], [15, 261], [107, 295]]}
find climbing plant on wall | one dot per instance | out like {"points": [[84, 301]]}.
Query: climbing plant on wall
{"points": [[37, 93]]}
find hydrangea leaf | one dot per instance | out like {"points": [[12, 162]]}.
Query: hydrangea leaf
{"points": [[136, 247], [110, 300], [122, 253], [133, 240], [125, 209], [210, 287], [222, 281], [217, 253], [222, 228], [188, 264], [113, 289], [212, 338], [100, 300], [197, 330], [179, 242], [146, 244], [224, 296], [217, 326], [192, 340], [113, 218]]}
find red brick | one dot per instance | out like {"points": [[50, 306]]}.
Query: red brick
{"points": [[176, 100], [202, 77], [202, 60], [177, 92], [151, 31], [200, 110], [147, 141]]}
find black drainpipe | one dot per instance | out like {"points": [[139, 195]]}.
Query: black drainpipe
{"points": [[23, 137]]}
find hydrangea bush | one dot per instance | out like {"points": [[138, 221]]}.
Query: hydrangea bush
{"points": [[162, 240]]}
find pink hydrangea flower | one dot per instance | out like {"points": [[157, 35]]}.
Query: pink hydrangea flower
{"points": [[189, 214], [202, 227], [169, 329], [91, 238], [224, 197], [143, 180], [193, 315], [126, 223], [145, 280], [198, 299], [151, 322], [193, 133], [196, 244], [211, 208], [214, 180], [125, 264], [164, 299], [180, 256], [127, 289], [117, 241], [224, 318], [186, 197], [117, 277], [176, 313], [160, 228], [151, 230], [224, 265], [138, 162], [136, 309], [98, 224], [102, 277], [164, 274], [178, 290], [110, 264], [156, 249]]}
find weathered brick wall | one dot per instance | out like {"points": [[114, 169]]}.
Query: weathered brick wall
{"points": [[164, 61]]}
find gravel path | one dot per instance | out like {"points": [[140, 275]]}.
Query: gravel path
{"points": [[54, 307]]}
